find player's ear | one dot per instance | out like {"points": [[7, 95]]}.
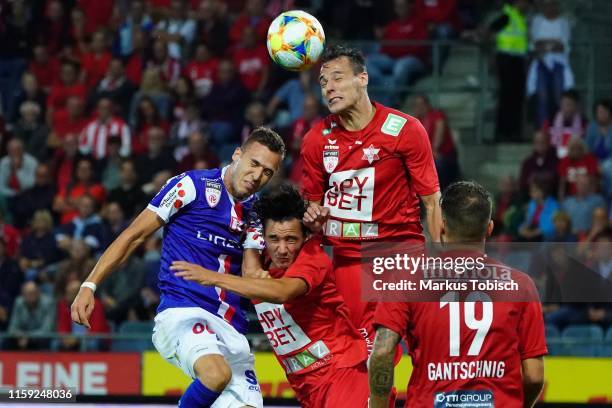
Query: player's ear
{"points": [[364, 78], [237, 154], [490, 228]]}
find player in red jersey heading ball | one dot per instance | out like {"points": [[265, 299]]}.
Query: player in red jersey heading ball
{"points": [[464, 354], [369, 164]]}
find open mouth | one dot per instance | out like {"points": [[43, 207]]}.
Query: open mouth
{"points": [[334, 100]]}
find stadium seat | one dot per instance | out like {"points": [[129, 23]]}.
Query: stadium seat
{"points": [[583, 340], [142, 344], [606, 348], [553, 340]]}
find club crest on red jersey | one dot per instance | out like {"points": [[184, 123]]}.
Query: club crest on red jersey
{"points": [[213, 193], [330, 159]]}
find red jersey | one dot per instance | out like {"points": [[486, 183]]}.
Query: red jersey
{"points": [[570, 169], [412, 28], [60, 93], [95, 67], [46, 73], [94, 137], [251, 63], [370, 179], [467, 348], [429, 123], [63, 124], [311, 335], [202, 74]]}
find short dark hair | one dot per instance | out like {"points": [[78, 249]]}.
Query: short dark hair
{"points": [[283, 203], [572, 94], [267, 137], [466, 210], [605, 103], [354, 55]]}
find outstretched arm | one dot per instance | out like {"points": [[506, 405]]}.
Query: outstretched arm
{"points": [[267, 290], [434, 215], [380, 370]]}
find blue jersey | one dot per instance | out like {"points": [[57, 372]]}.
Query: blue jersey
{"points": [[205, 225]]}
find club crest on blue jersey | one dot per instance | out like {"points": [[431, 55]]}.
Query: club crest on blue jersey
{"points": [[213, 193]]}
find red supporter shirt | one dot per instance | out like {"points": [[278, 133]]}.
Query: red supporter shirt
{"points": [[311, 335], [485, 360], [429, 123], [261, 26], [95, 67], [251, 64], [60, 93], [77, 191], [46, 74], [438, 11], [370, 179], [413, 28], [571, 168], [63, 124], [202, 74]]}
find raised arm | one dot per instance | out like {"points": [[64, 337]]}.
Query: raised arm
{"points": [[117, 253], [433, 215]]}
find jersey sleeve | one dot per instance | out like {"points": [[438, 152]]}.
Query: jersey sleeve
{"points": [[313, 178], [254, 232], [393, 316], [175, 195], [414, 147], [311, 265], [532, 337]]}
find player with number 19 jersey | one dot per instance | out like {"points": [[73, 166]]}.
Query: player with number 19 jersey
{"points": [[467, 353], [209, 233]]}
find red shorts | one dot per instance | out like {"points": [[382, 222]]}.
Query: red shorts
{"points": [[348, 387]]}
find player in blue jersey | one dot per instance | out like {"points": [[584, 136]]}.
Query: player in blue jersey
{"points": [[205, 215]]}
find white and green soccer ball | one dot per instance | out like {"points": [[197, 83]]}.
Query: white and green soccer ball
{"points": [[295, 40]]}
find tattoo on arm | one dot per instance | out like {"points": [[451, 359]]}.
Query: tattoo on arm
{"points": [[381, 362]]}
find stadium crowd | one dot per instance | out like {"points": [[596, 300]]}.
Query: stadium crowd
{"points": [[102, 101]]}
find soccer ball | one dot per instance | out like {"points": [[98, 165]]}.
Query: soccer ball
{"points": [[295, 40]]}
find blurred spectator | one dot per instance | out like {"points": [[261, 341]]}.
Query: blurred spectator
{"points": [[128, 194], [44, 67], [78, 32], [541, 209], [158, 156], [66, 87], [120, 292], [11, 279], [599, 133], [157, 182], [300, 127], [95, 63], [10, 235], [397, 65], [55, 28], [435, 123], [252, 62], [136, 60], [549, 73], [255, 116], [582, 204], [153, 86], [184, 94], [28, 92], [224, 108], [98, 13], [169, 67], [115, 219], [578, 162], [137, 20], [189, 123], [599, 224], [33, 314], [202, 70], [65, 325], [116, 87], [39, 248], [568, 123], [64, 161], [212, 28], [94, 138], [511, 63], [147, 116], [69, 120], [291, 95], [83, 183], [441, 16], [178, 30], [542, 162], [17, 169], [76, 267], [199, 150], [111, 165], [36, 198], [508, 207], [31, 130], [254, 16], [563, 228], [86, 226]]}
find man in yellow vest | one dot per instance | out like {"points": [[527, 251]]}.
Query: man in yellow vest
{"points": [[511, 58]]}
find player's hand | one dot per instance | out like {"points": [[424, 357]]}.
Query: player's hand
{"points": [[315, 217], [82, 307], [193, 272]]}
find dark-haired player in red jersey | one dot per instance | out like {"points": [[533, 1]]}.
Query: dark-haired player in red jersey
{"points": [[300, 310], [464, 354], [369, 165]]}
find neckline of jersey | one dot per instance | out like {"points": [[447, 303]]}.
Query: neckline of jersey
{"points": [[230, 196], [378, 108]]}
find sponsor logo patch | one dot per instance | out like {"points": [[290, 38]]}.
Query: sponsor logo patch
{"points": [[213, 193], [393, 125], [330, 159]]}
